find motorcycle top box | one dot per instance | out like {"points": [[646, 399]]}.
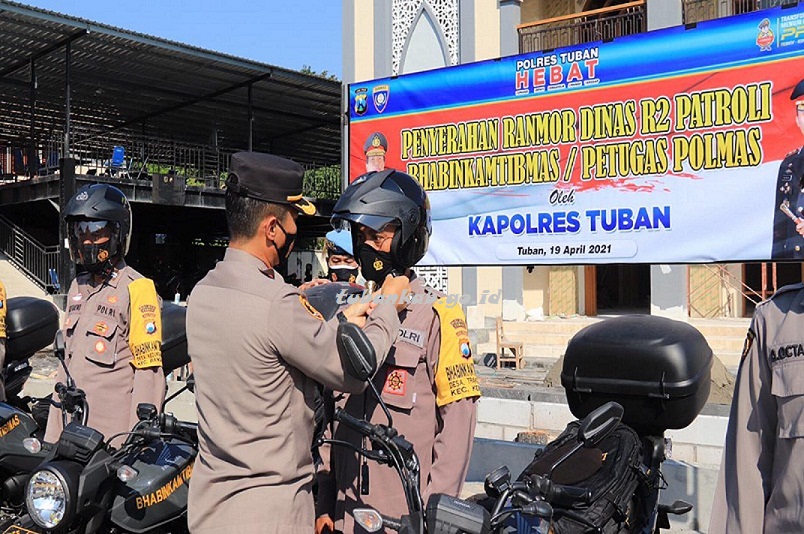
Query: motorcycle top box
{"points": [[31, 324], [658, 369]]}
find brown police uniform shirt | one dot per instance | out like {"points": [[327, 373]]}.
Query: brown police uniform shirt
{"points": [[3, 311], [258, 348], [761, 482], [98, 352], [441, 436]]}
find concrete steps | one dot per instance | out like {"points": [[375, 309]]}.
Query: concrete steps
{"points": [[549, 338]]}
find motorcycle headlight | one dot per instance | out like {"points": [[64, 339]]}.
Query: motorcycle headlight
{"points": [[48, 497]]}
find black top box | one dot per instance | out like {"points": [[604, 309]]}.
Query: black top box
{"points": [[31, 325], [657, 368]]}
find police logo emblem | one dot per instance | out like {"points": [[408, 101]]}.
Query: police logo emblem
{"points": [[361, 101], [380, 96], [150, 328], [378, 265], [103, 255], [396, 382], [310, 308], [466, 351], [101, 328]]}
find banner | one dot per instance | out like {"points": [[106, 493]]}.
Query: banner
{"points": [[673, 146]]}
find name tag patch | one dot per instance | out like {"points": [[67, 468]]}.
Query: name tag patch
{"points": [[784, 352], [414, 337]]}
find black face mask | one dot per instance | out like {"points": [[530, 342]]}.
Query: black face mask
{"points": [[284, 252], [374, 264], [342, 274]]}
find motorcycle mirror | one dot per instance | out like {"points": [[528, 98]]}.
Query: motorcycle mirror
{"points": [[59, 345], [599, 424], [355, 348], [59, 349]]}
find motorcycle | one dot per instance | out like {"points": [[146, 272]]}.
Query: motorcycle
{"points": [[85, 485], [534, 502]]}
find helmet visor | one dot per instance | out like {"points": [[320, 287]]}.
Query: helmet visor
{"points": [[92, 242], [92, 232], [375, 222]]}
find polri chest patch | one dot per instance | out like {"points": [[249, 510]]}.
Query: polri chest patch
{"points": [[413, 337]]}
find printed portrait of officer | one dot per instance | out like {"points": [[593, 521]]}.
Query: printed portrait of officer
{"points": [[375, 148], [788, 215]]}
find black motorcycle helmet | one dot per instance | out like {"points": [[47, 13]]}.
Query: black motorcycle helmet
{"points": [[377, 199], [94, 211]]}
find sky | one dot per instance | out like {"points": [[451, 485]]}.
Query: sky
{"points": [[282, 33]]}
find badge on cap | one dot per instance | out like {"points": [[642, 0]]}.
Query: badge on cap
{"points": [[378, 265]]}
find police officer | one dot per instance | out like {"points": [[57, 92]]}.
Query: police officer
{"points": [[341, 264], [788, 234], [258, 348], [428, 380], [375, 149], [3, 310], [761, 482], [113, 328]]}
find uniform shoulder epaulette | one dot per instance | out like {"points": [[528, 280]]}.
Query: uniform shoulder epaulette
{"points": [[434, 291], [794, 152], [783, 290]]}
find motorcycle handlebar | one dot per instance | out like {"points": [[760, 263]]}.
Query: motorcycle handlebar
{"points": [[558, 493], [364, 427]]}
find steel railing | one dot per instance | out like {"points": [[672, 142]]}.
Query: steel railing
{"points": [[34, 259], [727, 286], [585, 27], [700, 10]]}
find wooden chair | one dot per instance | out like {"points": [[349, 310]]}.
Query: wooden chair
{"points": [[516, 348]]}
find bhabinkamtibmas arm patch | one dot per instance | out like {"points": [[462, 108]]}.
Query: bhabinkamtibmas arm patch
{"points": [[3, 310], [145, 329], [455, 375]]}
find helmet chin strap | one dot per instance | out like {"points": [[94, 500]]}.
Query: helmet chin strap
{"points": [[104, 269]]}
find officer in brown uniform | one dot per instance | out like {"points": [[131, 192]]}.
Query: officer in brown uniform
{"points": [[113, 329], [788, 240], [761, 482], [428, 381], [3, 311], [258, 348]]}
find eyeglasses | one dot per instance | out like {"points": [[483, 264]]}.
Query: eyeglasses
{"points": [[372, 237]]}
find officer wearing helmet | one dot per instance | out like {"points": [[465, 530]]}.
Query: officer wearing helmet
{"points": [[259, 349], [113, 328], [428, 380]]}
